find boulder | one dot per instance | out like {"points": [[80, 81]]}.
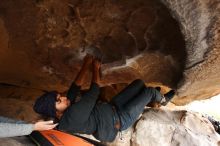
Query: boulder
{"points": [[169, 128]]}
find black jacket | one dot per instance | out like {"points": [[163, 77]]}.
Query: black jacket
{"points": [[88, 117]]}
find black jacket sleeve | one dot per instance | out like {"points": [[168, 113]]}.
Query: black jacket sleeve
{"points": [[73, 92]]}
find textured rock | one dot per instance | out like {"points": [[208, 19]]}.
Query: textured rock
{"points": [[136, 39], [44, 50], [199, 21], [169, 128]]}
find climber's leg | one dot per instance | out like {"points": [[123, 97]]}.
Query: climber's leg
{"points": [[129, 92], [131, 111]]}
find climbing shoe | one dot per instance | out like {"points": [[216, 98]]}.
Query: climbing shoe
{"points": [[168, 96]]}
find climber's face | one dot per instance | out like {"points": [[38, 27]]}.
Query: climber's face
{"points": [[62, 103]]}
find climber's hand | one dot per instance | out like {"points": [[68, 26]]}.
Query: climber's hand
{"points": [[97, 63], [88, 59], [44, 125]]}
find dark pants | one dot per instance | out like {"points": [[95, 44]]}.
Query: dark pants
{"points": [[130, 102]]}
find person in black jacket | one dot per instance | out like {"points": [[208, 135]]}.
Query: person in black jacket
{"points": [[102, 120]]}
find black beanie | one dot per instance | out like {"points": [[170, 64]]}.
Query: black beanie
{"points": [[45, 104]]}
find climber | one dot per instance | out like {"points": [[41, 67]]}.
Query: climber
{"points": [[10, 127], [102, 120]]}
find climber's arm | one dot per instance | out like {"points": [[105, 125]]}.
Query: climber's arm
{"points": [[81, 75], [76, 85], [96, 71]]}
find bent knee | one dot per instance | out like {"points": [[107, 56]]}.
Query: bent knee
{"points": [[139, 82]]}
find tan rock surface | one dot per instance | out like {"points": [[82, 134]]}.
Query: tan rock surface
{"points": [[199, 21], [169, 128], [45, 42]]}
